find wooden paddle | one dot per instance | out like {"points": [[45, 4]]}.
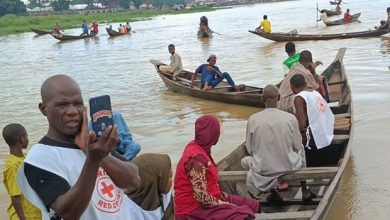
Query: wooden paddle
{"points": [[215, 32]]}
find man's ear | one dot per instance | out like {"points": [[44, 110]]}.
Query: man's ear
{"points": [[42, 108]]}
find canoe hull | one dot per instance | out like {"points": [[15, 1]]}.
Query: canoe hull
{"points": [[250, 96], [331, 12], [114, 33], [63, 37], [354, 18], [40, 32], [283, 37]]}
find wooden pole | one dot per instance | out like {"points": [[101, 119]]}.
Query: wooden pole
{"points": [[317, 16]]}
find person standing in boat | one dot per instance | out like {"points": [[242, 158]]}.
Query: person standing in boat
{"points": [[323, 16], [315, 119], [293, 57], [275, 148], [347, 17], [197, 193], [211, 76], [265, 25], [175, 67], [84, 28]]}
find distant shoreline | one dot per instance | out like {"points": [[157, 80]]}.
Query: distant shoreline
{"points": [[12, 24]]}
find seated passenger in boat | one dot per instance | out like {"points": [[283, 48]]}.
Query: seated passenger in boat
{"points": [[306, 68], [198, 194], [265, 25], [293, 57], [128, 27], [211, 76], [385, 24], [347, 17], [95, 28], [274, 144], [175, 67], [315, 118], [154, 194], [204, 25], [57, 29]]}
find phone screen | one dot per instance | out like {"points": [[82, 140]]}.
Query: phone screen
{"points": [[101, 114]]}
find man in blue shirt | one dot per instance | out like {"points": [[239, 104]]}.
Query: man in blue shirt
{"points": [[125, 146], [211, 76], [84, 27]]}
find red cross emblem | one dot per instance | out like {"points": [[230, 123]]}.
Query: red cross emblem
{"points": [[107, 189], [321, 105]]}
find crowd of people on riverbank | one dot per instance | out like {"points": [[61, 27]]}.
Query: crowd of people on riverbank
{"points": [[70, 174]]}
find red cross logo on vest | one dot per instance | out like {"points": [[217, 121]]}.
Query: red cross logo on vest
{"points": [[321, 104], [107, 189], [107, 196]]}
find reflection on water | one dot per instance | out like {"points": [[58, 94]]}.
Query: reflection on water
{"points": [[163, 121]]}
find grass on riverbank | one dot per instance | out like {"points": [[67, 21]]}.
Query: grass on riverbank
{"points": [[12, 24]]}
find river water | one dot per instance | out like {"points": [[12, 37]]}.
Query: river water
{"points": [[163, 121]]}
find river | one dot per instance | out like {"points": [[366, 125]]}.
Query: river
{"points": [[163, 122]]}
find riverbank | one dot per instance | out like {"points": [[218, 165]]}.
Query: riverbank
{"points": [[12, 24]]}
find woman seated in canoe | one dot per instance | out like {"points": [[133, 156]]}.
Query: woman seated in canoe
{"points": [[385, 24], [154, 195], [198, 194], [204, 25], [211, 76]]}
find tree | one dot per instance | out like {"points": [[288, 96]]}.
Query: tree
{"points": [[124, 4], [137, 3], [12, 7], [60, 5]]}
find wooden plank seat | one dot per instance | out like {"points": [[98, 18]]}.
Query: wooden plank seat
{"points": [[304, 173], [284, 215]]}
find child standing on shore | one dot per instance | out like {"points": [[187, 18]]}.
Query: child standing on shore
{"points": [[15, 135]]}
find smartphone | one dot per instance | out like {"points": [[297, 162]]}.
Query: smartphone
{"points": [[101, 114]]}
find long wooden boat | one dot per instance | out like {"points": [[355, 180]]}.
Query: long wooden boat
{"points": [[331, 12], [322, 180], [354, 18], [40, 32], [63, 37], [114, 33], [249, 95], [282, 37], [333, 3]]}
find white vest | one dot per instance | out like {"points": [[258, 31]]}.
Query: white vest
{"points": [[321, 118], [107, 202]]}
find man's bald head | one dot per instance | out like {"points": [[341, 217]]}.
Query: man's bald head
{"points": [[59, 83], [270, 96]]}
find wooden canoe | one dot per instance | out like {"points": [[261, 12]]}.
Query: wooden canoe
{"points": [[251, 96], [63, 37], [114, 33], [331, 12], [282, 37], [205, 34], [322, 180], [354, 18], [40, 32], [333, 3]]}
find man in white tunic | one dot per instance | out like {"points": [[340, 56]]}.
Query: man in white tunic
{"points": [[175, 67], [274, 144], [67, 172], [315, 119]]}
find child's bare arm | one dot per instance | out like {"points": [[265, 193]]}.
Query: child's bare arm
{"points": [[17, 203]]}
